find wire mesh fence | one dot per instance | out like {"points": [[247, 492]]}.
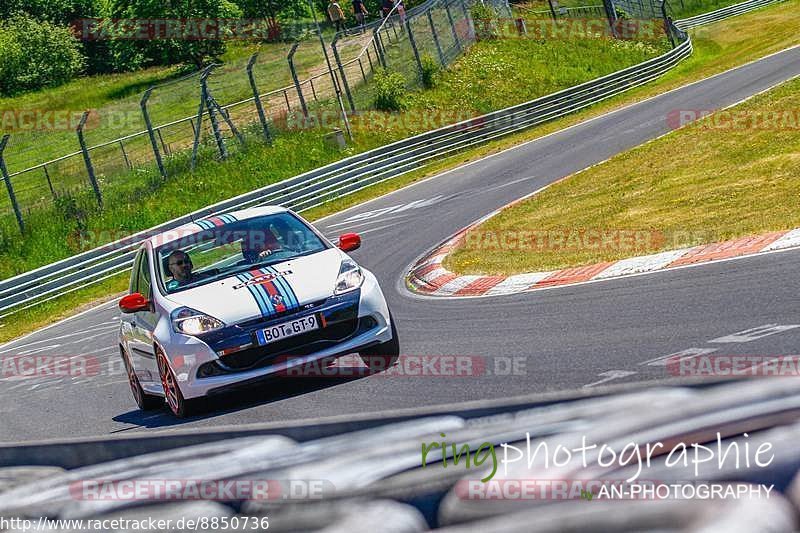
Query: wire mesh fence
{"points": [[176, 124]]}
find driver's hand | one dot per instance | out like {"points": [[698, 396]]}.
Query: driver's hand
{"points": [[265, 253]]}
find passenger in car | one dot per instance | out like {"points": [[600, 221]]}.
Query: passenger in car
{"points": [[259, 245]]}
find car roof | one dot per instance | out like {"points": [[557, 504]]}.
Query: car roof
{"points": [[211, 221]]}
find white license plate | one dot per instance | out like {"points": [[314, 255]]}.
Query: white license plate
{"points": [[288, 329]]}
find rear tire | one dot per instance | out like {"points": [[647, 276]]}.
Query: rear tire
{"points": [[146, 402], [180, 406], [380, 357]]}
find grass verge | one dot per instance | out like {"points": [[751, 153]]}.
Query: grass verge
{"points": [[737, 175], [717, 48]]}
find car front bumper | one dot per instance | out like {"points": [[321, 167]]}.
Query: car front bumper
{"points": [[366, 309]]}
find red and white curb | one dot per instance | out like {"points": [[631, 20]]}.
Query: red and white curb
{"points": [[428, 276]]}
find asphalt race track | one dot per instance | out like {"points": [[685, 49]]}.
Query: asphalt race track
{"points": [[585, 335]]}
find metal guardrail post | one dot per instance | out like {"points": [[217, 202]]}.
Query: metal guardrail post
{"points": [[151, 133], [414, 47], [342, 74], [7, 179], [87, 160], [436, 40], [257, 97], [290, 59]]}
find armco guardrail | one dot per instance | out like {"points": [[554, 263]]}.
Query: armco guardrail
{"points": [[350, 175], [720, 14]]}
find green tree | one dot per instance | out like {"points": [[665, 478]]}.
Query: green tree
{"points": [[274, 11], [55, 11], [127, 53], [36, 54]]}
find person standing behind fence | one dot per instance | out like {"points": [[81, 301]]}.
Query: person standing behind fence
{"points": [[360, 11], [401, 10], [386, 7], [336, 14]]}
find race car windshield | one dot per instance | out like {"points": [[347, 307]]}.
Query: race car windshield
{"points": [[229, 247]]}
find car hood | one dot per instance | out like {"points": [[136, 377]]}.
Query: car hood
{"points": [[268, 291]]}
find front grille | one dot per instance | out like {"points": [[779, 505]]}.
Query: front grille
{"points": [[260, 322], [299, 345]]}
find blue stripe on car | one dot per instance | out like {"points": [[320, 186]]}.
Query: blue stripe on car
{"points": [[284, 288], [264, 306]]}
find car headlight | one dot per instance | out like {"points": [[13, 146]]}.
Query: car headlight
{"points": [[350, 277], [192, 322]]}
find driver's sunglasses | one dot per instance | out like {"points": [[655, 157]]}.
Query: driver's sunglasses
{"points": [[182, 262]]}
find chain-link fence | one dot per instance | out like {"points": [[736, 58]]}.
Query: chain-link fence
{"points": [[208, 114]]}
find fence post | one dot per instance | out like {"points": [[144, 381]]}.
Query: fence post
{"points": [[552, 10], [342, 75], [452, 26], [376, 40], [88, 160], [611, 13], [290, 58], [212, 113], [49, 182], [150, 132], [9, 188], [125, 155], [414, 46], [468, 21], [198, 130], [667, 23], [257, 97], [436, 40]]}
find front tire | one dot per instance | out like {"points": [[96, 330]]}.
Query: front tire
{"points": [[382, 356], [180, 406], [145, 401]]}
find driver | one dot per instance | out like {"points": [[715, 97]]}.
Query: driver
{"points": [[180, 267]]}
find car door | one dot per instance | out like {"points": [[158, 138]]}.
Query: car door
{"points": [[127, 320], [143, 324]]}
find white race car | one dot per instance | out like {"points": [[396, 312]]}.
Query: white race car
{"points": [[223, 302]]}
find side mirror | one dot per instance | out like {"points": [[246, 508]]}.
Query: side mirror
{"points": [[349, 242], [133, 303]]}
